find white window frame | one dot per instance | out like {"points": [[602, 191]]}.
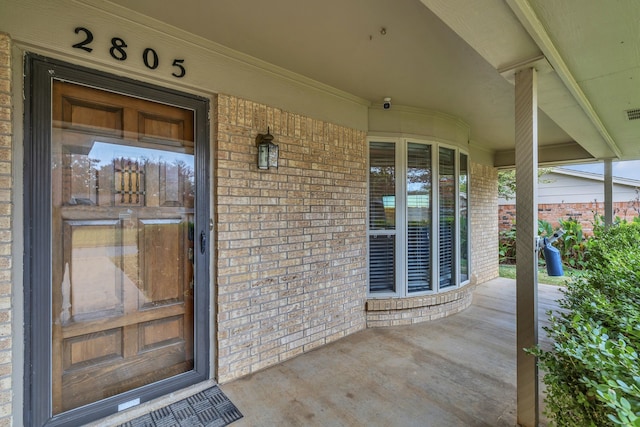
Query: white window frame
{"points": [[401, 211], [458, 225]]}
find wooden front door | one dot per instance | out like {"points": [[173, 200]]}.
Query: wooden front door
{"points": [[122, 225]]}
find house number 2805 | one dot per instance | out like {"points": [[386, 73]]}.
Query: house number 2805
{"points": [[118, 51]]}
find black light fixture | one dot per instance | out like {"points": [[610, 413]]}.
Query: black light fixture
{"points": [[267, 151]]}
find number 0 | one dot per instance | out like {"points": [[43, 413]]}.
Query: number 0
{"points": [[153, 64]]}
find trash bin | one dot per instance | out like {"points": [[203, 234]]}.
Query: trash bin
{"points": [[553, 259]]}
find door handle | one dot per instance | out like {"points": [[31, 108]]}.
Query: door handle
{"points": [[203, 242]]}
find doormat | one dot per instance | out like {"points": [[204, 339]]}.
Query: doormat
{"points": [[209, 408]]}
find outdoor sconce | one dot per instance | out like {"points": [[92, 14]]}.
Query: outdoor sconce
{"points": [[267, 151]]}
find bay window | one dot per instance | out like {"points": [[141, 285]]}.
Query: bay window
{"points": [[463, 217], [418, 215]]}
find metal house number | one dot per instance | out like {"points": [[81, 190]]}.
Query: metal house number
{"points": [[118, 51]]}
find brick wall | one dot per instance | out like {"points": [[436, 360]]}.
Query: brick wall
{"points": [[290, 243], [406, 311], [583, 212], [484, 226], [6, 238], [291, 248]]}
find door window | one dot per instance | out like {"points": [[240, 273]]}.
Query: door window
{"points": [[122, 243]]}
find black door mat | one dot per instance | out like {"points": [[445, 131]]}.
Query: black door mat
{"points": [[209, 408]]}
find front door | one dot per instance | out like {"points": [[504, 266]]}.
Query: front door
{"points": [[122, 235], [123, 245]]}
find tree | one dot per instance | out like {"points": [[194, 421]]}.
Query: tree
{"points": [[507, 182]]}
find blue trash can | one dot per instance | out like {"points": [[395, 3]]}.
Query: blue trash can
{"points": [[553, 260]]}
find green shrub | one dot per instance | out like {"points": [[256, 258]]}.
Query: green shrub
{"points": [[507, 242], [507, 246], [572, 243], [592, 373]]}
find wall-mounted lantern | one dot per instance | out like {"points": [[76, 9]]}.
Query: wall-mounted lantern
{"points": [[267, 151]]}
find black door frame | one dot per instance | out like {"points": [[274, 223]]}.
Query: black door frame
{"points": [[39, 75]]}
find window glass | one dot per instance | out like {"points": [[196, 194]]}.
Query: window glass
{"points": [[382, 217], [463, 192], [418, 217], [447, 218], [404, 257]]}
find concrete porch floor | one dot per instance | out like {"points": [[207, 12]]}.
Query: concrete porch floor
{"points": [[457, 371]]}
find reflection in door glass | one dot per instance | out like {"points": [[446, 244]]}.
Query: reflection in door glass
{"points": [[123, 194]]}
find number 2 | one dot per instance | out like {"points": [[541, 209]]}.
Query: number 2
{"points": [[88, 38]]}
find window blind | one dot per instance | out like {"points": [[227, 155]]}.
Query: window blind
{"points": [[447, 200], [463, 191], [418, 217], [382, 263], [382, 217]]}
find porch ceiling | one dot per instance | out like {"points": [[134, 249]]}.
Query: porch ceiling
{"points": [[454, 56]]}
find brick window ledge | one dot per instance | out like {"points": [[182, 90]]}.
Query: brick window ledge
{"points": [[405, 311]]}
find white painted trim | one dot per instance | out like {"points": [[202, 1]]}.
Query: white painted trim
{"points": [[530, 21], [402, 251], [402, 121], [596, 176], [427, 113], [17, 245]]}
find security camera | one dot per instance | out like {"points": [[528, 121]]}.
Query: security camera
{"points": [[387, 103]]}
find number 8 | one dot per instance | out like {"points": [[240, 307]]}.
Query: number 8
{"points": [[118, 45]]}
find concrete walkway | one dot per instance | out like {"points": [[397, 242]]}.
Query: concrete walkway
{"points": [[458, 371]]}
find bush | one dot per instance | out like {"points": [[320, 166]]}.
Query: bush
{"points": [[507, 241], [571, 244], [507, 246], [592, 373]]}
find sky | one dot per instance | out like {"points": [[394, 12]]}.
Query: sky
{"points": [[630, 169]]}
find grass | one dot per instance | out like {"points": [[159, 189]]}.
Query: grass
{"points": [[509, 271]]}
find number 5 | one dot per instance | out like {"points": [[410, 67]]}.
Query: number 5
{"points": [[178, 63]]}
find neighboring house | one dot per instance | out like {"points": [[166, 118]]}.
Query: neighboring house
{"points": [[566, 193]]}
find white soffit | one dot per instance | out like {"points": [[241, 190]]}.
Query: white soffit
{"points": [[369, 48], [600, 43], [441, 55], [493, 30], [536, 29]]}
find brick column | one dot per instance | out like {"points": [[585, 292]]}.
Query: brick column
{"points": [[484, 222]]}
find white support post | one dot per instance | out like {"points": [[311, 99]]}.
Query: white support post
{"points": [[608, 193], [526, 117]]}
